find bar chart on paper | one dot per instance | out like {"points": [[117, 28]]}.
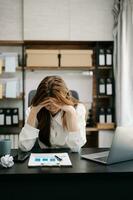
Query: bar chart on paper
{"points": [[49, 159]]}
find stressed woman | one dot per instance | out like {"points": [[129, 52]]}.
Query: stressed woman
{"points": [[54, 119]]}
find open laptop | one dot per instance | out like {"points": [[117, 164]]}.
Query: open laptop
{"points": [[121, 148]]}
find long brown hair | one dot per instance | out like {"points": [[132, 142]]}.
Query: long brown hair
{"points": [[51, 86]]}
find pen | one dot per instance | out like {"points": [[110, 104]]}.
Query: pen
{"points": [[58, 158]]}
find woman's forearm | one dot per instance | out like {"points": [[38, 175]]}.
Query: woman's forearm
{"points": [[32, 118], [71, 120]]}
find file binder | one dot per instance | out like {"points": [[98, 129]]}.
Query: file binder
{"points": [[8, 117], [109, 86], [109, 57], [109, 115], [102, 115], [101, 57], [15, 116], [1, 117], [102, 86], [1, 63], [1, 91]]}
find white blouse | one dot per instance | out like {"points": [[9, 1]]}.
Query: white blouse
{"points": [[59, 137]]}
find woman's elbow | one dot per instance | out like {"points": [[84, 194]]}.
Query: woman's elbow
{"points": [[76, 145], [24, 147]]}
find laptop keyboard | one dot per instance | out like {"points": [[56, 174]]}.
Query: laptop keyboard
{"points": [[102, 158]]}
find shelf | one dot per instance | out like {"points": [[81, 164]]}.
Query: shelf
{"points": [[91, 129], [11, 129], [102, 96], [60, 68], [104, 67], [19, 68], [17, 98], [106, 126], [59, 42], [11, 42], [77, 45], [53, 42]]}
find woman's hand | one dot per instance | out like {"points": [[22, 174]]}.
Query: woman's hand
{"points": [[53, 105], [33, 115]]}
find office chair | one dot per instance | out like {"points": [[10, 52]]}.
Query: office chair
{"points": [[33, 92]]}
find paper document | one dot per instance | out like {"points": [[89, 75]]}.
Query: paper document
{"points": [[11, 89], [101, 59], [109, 59], [1, 63], [49, 159], [10, 64], [1, 92], [2, 119]]}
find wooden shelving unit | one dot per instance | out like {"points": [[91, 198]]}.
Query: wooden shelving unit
{"points": [[17, 98], [103, 100], [79, 45], [7, 130], [11, 129], [60, 68], [11, 42], [19, 68], [62, 45]]}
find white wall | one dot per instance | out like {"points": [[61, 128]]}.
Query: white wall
{"points": [[68, 20], [10, 19], [91, 20], [56, 20], [46, 19]]}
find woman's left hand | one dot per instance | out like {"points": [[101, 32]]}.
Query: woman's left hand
{"points": [[53, 105]]}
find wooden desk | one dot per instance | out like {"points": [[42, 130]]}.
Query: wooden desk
{"points": [[84, 179]]}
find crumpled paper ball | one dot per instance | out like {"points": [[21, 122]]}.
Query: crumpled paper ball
{"points": [[6, 161]]}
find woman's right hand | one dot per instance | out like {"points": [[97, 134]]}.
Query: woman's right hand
{"points": [[33, 115], [36, 109]]}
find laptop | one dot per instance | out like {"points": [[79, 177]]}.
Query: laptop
{"points": [[121, 148]]}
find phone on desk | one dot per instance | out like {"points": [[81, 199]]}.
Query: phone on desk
{"points": [[21, 156]]}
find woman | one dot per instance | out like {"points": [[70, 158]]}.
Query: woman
{"points": [[54, 119]]}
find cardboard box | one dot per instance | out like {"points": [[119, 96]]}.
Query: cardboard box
{"points": [[42, 58], [76, 58]]}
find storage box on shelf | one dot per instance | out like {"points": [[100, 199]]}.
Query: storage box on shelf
{"points": [[59, 58], [42, 58], [76, 58]]}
